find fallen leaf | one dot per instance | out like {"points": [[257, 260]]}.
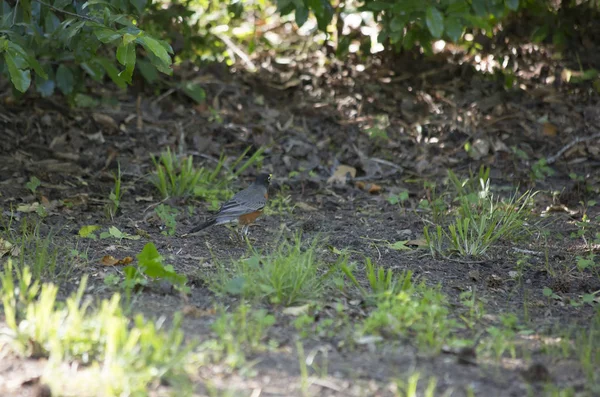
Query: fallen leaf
{"points": [[296, 310], [5, 247], [419, 242], [109, 260], [369, 187], [193, 311], [33, 207], [400, 245], [340, 174], [305, 207], [549, 129], [88, 231], [105, 120], [144, 198]]}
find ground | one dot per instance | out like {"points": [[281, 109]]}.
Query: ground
{"points": [[400, 128]]}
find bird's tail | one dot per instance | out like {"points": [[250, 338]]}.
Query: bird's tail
{"points": [[203, 226]]}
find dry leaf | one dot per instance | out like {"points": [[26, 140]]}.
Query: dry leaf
{"points": [[5, 247], [296, 310], [419, 242], [340, 174], [109, 260], [305, 207], [193, 311], [369, 187], [105, 120], [549, 129], [28, 207]]}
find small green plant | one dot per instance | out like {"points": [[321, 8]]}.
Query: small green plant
{"points": [[120, 356], [167, 215], [150, 265], [586, 345], [408, 387], [292, 273], [114, 232], [239, 333], [404, 308], [281, 203], [398, 198], [479, 221], [175, 177], [540, 170], [33, 184], [382, 282], [112, 207]]}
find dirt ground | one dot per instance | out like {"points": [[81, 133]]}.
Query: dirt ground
{"points": [[309, 127]]}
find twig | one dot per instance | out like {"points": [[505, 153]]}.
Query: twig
{"points": [[67, 12], [552, 159], [231, 45]]}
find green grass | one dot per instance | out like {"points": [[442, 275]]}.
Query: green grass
{"points": [[178, 177], [292, 272], [116, 355], [402, 307], [115, 196], [479, 220], [238, 333]]}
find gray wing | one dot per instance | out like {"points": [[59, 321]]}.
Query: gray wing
{"points": [[241, 204]]}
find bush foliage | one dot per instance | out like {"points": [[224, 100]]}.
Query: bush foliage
{"points": [[56, 45]]}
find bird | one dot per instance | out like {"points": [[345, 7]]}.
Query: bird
{"points": [[243, 208]]}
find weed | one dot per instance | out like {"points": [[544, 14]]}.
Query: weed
{"points": [[167, 215], [408, 387], [119, 356], [404, 308], [290, 273], [586, 345], [176, 177], [33, 184], [112, 207], [540, 170], [238, 333], [479, 222], [281, 203]]}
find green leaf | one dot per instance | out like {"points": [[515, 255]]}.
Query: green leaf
{"points": [[45, 87], [51, 22], [235, 286], [94, 69], [140, 5], [194, 91], [33, 184], [454, 29], [397, 24], [155, 48], [20, 78], [126, 56], [88, 231], [60, 4], [301, 15], [547, 292], [148, 71], [400, 245], [112, 71], [377, 5], [85, 101], [64, 79], [106, 35], [435, 22], [480, 7]]}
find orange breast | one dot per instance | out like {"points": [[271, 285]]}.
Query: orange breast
{"points": [[249, 218]]}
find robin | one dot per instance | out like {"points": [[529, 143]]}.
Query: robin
{"points": [[243, 208]]}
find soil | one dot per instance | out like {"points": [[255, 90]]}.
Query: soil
{"points": [[309, 128]]}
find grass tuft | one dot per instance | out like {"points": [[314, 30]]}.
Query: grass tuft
{"points": [[293, 272]]}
